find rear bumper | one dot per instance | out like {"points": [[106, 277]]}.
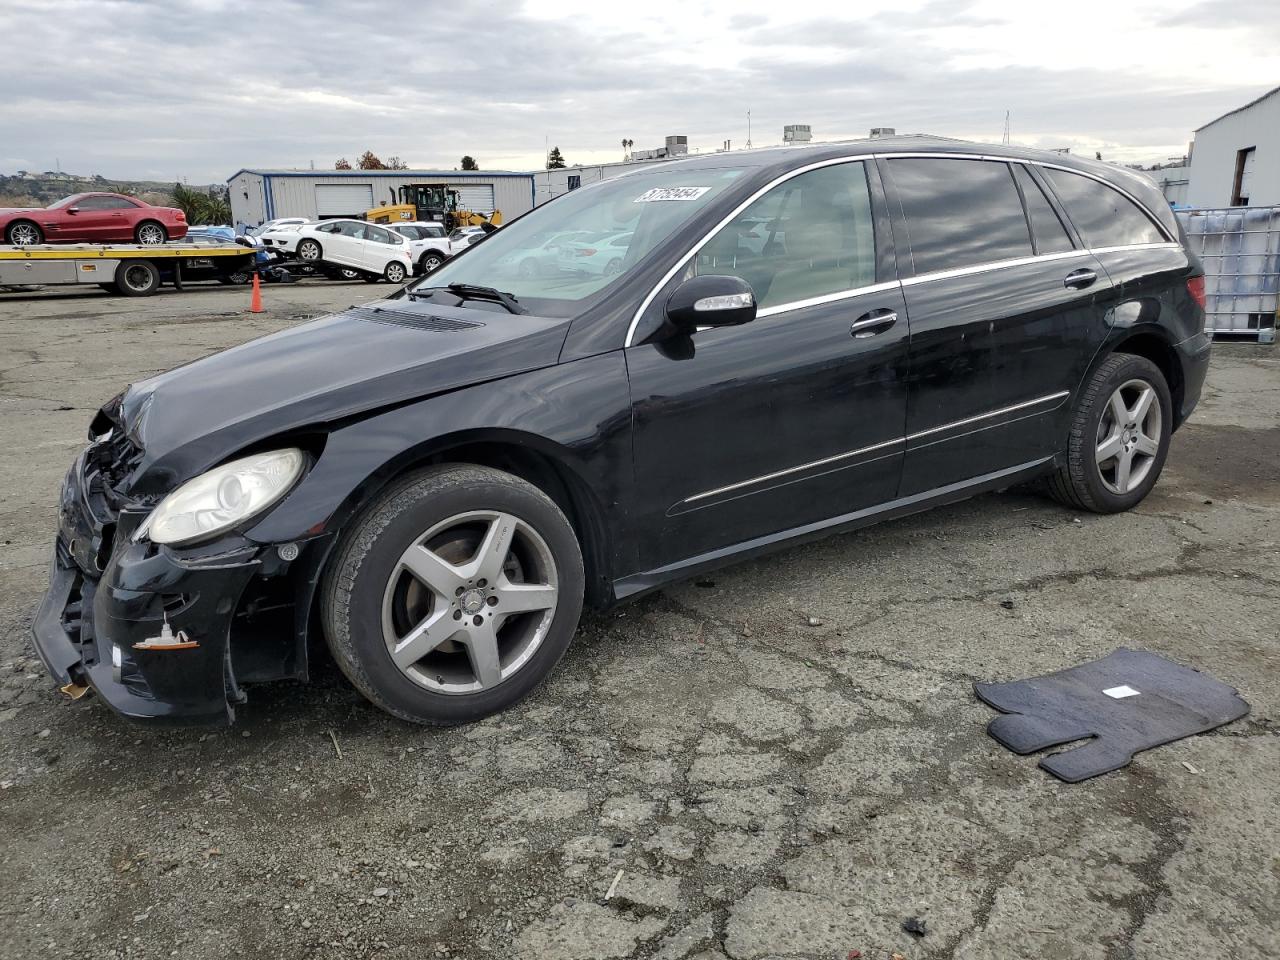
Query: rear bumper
{"points": [[1193, 354]]}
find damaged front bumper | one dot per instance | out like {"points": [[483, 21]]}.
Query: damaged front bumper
{"points": [[108, 594]]}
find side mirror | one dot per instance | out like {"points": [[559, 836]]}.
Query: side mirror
{"points": [[711, 302], [73, 209]]}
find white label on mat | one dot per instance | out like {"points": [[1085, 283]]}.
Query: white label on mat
{"points": [[1119, 693]]}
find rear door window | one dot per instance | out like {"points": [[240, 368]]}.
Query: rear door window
{"points": [[1050, 235], [960, 213], [809, 236], [1104, 217]]}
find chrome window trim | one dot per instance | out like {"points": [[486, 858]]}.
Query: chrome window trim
{"points": [[828, 298], [937, 275], [992, 265], [763, 478]]}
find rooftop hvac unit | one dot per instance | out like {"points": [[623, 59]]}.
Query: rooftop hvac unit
{"points": [[882, 132], [797, 133], [677, 146]]}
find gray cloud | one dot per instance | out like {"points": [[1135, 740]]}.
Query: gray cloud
{"points": [[199, 88]]}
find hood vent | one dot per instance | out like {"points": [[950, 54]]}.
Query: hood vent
{"points": [[418, 321]]}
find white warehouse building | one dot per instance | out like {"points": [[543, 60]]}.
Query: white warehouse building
{"points": [[261, 195], [1235, 160]]}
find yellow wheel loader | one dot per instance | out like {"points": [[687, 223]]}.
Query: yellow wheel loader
{"points": [[427, 202]]}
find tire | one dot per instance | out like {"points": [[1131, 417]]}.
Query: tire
{"points": [[371, 603], [236, 278], [150, 232], [1109, 428], [612, 267], [310, 251], [137, 278], [528, 268], [23, 233], [430, 261], [395, 272]]}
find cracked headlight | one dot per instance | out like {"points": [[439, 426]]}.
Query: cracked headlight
{"points": [[225, 496]]}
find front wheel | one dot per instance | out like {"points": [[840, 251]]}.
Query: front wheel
{"points": [[150, 233], [454, 595], [1119, 437], [309, 251], [24, 233]]}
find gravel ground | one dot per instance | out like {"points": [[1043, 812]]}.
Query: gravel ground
{"points": [[783, 759]]}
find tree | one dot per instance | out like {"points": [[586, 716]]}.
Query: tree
{"points": [[469, 163], [342, 164], [369, 161], [555, 161], [395, 163], [201, 207]]}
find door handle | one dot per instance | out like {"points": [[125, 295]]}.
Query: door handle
{"points": [[872, 323], [1079, 279]]}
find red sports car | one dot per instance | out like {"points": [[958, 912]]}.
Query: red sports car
{"points": [[93, 218]]}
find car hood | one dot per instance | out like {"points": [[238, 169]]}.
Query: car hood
{"points": [[344, 365], [5, 211]]}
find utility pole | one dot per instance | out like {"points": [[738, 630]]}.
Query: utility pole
{"points": [[748, 129], [1005, 141]]}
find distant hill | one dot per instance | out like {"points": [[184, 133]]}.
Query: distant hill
{"points": [[42, 189]]}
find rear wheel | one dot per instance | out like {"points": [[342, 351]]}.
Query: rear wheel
{"points": [[137, 278], [429, 261], [612, 267], [1119, 437], [454, 595], [150, 232], [24, 233], [309, 251], [395, 272]]}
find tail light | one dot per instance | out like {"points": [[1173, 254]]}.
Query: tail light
{"points": [[181, 215], [1195, 287], [586, 251]]}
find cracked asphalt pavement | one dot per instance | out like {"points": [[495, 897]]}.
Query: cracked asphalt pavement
{"points": [[783, 759]]}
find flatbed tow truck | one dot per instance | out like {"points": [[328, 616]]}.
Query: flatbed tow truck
{"points": [[131, 269]]}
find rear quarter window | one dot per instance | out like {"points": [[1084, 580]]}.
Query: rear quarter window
{"points": [[1104, 216]]}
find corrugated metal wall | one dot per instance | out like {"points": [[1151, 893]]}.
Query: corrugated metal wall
{"points": [[294, 194], [248, 203]]}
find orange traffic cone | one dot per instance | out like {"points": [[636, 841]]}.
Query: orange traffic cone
{"points": [[255, 305]]}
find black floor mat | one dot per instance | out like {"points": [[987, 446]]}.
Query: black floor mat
{"points": [[1126, 702]]}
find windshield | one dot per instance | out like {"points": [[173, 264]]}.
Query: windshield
{"points": [[560, 254], [65, 201]]}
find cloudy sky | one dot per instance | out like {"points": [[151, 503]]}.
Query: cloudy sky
{"points": [[200, 88]]}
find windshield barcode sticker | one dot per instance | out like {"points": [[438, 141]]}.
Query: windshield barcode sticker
{"points": [[671, 193]]}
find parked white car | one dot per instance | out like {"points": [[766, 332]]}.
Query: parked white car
{"points": [[600, 255], [428, 242], [373, 250], [280, 224]]}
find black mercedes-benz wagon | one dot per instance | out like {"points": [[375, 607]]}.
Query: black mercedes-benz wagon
{"points": [[641, 380]]}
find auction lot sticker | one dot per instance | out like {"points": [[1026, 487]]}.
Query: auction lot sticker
{"points": [[671, 193]]}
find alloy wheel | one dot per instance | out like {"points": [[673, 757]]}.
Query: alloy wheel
{"points": [[395, 272], [1128, 438], [150, 233], [24, 234], [469, 602], [308, 250]]}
